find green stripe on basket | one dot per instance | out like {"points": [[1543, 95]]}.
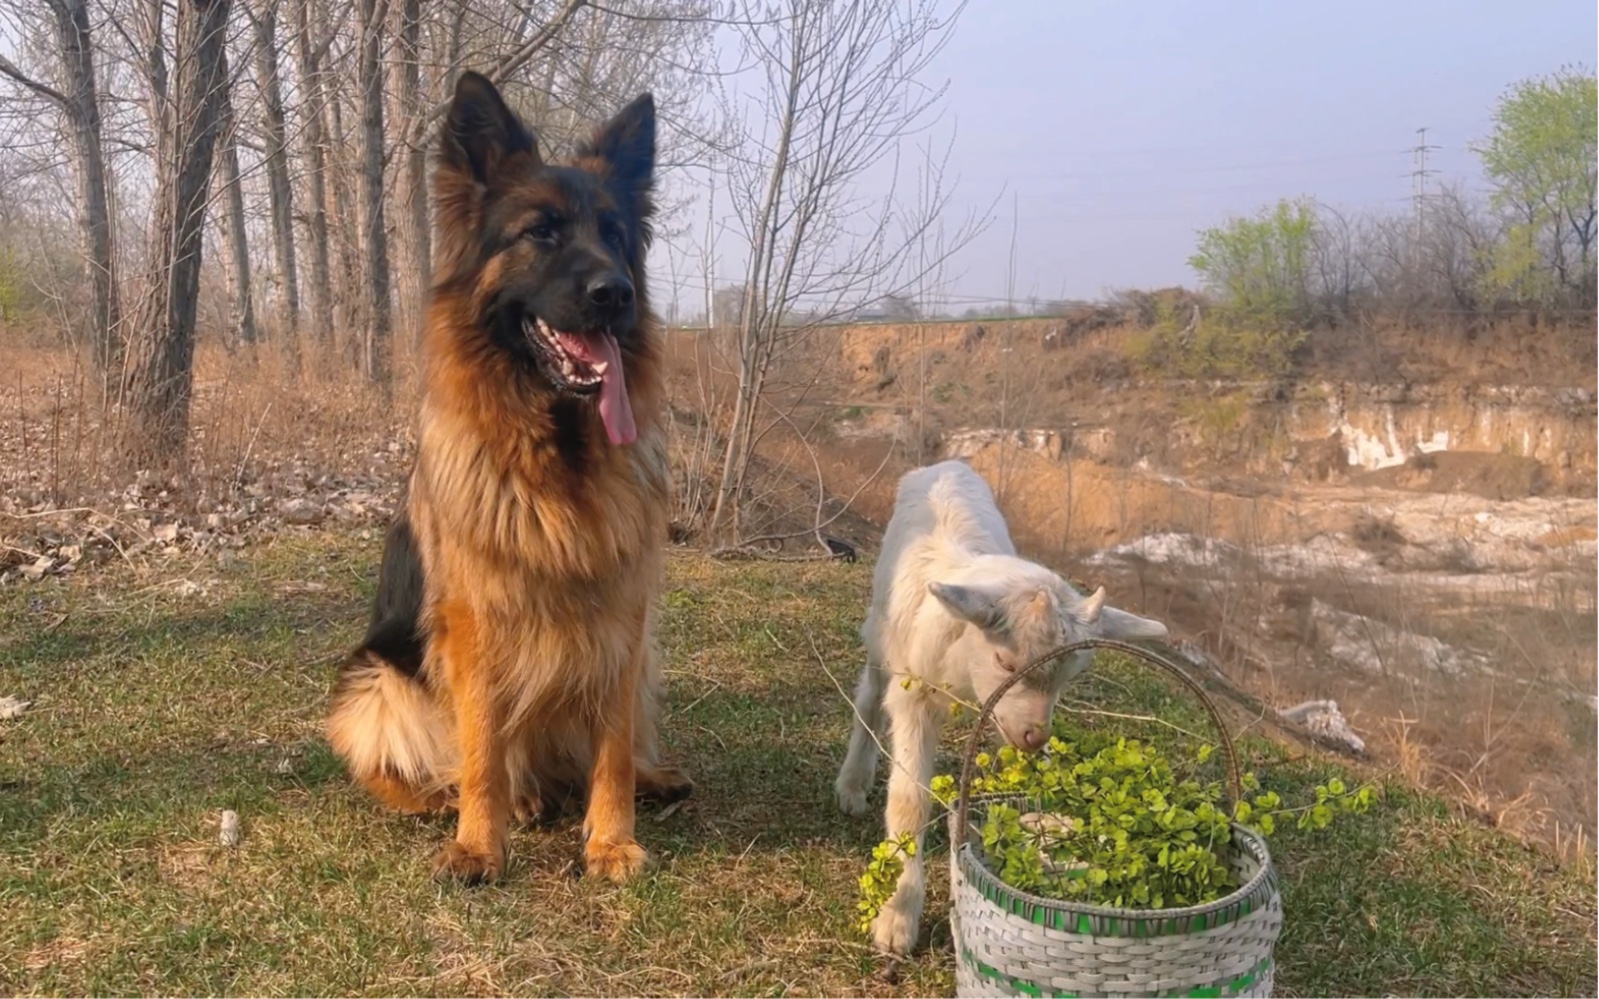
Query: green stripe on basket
{"points": [[1019, 985], [1022, 986]]}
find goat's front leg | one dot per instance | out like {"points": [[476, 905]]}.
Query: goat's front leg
{"points": [[913, 731]]}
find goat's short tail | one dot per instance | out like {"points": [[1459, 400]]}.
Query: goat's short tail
{"points": [[392, 733]]}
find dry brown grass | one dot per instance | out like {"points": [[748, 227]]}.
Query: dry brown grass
{"points": [[865, 404]]}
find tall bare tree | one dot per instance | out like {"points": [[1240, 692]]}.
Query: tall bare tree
{"points": [[163, 382], [416, 191], [78, 99], [312, 47], [841, 90], [230, 187], [264, 21], [378, 357]]}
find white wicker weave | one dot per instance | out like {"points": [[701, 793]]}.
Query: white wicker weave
{"points": [[1011, 943]]}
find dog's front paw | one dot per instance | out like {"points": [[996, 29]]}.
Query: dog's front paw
{"points": [[895, 928], [459, 863], [616, 862]]}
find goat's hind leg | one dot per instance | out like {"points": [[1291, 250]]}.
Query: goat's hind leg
{"points": [[859, 772]]}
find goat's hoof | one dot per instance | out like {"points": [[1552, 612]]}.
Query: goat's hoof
{"points": [[894, 931], [851, 799]]}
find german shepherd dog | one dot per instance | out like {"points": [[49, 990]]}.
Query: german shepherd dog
{"points": [[509, 664]]}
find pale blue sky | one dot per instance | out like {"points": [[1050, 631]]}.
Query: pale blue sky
{"points": [[1122, 127]]}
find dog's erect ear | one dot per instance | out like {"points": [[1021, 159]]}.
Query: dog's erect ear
{"points": [[481, 133], [627, 145]]}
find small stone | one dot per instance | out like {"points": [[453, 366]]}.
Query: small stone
{"points": [[35, 571], [300, 511], [165, 533], [229, 833], [11, 707]]}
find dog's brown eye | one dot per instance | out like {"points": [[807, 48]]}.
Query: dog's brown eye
{"points": [[613, 235], [540, 232]]}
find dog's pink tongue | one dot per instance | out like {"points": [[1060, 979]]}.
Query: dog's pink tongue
{"points": [[615, 409]]}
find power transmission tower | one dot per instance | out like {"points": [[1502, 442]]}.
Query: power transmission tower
{"points": [[1419, 175]]}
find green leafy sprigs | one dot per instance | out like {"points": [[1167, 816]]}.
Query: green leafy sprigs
{"points": [[1099, 819]]}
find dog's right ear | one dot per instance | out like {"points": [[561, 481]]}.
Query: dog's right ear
{"points": [[481, 134]]}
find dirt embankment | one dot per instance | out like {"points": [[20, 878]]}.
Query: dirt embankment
{"points": [[1421, 551]]}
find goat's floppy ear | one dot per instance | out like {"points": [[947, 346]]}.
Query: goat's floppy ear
{"points": [[481, 133], [977, 604], [1120, 624]]}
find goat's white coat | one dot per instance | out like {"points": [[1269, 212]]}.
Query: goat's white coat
{"points": [[954, 610]]}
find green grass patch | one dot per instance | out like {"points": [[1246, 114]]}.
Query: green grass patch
{"points": [[156, 706]]}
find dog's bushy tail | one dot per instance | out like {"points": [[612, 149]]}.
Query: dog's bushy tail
{"points": [[383, 720]]}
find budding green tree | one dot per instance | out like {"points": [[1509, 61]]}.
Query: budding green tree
{"points": [[1540, 159]]}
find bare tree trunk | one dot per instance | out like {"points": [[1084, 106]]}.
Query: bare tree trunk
{"points": [[80, 106], [158, 100], [344, 231], [244, 328], [280, 194], [378, 355], [164, 381], [316, 174], [416, 196]]}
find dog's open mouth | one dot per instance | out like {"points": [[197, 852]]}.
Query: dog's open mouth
{"points": [[587, 363]]}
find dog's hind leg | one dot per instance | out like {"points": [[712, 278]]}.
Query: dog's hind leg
{"points": [[662, 785], [382, 719], [856, 776], [653, 780], [478, 851]]}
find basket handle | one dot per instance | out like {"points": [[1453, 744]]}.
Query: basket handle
{"points": [[963, 799]]}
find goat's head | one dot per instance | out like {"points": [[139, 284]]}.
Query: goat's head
{"points": [[1014, 619]]}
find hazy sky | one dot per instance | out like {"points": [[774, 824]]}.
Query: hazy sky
{"points": [[1121, 128]]}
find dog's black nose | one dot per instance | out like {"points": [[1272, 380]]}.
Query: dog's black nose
{"points": [[611, 292]]}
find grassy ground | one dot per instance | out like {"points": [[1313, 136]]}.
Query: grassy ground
{"points": [[165, 695]]}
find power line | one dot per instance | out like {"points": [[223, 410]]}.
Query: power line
{"points": [[1224, 168]]}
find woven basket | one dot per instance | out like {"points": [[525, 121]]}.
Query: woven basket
{"points": [[1011, 943]]}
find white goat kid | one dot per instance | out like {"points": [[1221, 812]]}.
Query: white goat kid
{"points": [[954, 612]]}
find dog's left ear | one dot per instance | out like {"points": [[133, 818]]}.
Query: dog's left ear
{"points": [[626, 144]]}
